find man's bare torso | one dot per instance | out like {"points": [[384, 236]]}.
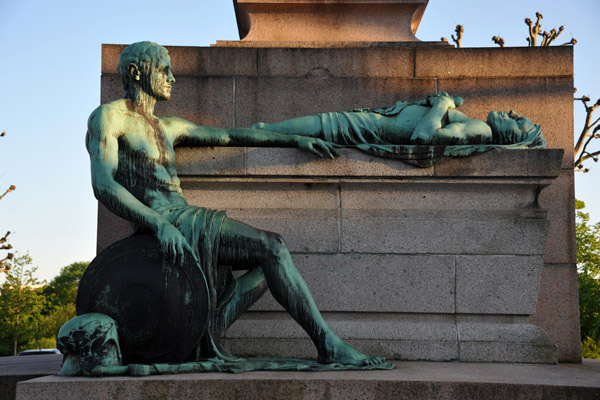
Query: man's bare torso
{"points": [[146, 166]]}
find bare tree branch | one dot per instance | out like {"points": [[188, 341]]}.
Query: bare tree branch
{"points": [[9, 256], [498, 40], [587, 135], [4, 245], [572, 42], [4, 267], [534, 29], [4, 240], [459, 34], [10, 189]]}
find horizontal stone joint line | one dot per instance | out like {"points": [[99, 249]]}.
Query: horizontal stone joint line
{"points": [[424, 255], [340, 217], [461, 76]]}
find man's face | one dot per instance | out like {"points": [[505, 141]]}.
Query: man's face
{"points": [[161, 79]]}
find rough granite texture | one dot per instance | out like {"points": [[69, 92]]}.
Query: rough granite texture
{"points": [[409, 380], [329, 21], [316, 204], [17, 369]]}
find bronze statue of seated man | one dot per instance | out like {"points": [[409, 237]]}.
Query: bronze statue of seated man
{"points": [[133, 174]]}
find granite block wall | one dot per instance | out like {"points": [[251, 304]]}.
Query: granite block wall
{"points": [[236, 85]]}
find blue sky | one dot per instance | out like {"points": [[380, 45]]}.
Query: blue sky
{"points": [[50, 76]]}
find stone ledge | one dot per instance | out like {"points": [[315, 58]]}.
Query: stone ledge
{"points": [[420, 59], [508, 61], [324, 45], [235, 161], [325, 20], [410, 380], [193, 61], [17, 369], [350, 62]]}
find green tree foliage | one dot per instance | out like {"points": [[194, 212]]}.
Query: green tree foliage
{"points": [[61, 294], [588, 278], [21, 305], [62, 289], [588, 243], [54, 320], [590, 349]]}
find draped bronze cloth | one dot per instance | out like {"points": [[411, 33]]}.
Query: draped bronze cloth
{"points": [[201, 227], [360, 129]]}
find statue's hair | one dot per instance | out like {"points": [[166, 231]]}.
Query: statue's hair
{"points": [[532, 137], [144, 55]]}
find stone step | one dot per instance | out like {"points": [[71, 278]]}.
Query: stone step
{"points": [[17, 369], [410, 380]]}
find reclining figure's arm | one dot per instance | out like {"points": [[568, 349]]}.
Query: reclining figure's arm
{"points": [[459, 130]]}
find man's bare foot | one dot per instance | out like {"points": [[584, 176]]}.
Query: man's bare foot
{"points": [[337, 351]]}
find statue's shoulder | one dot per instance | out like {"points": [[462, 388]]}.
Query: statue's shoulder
{"points": [[107, 115], [114, 107], [105, 120]]}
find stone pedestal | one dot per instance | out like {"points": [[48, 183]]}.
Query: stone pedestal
{"points": [[329, 21], [409, 381], [434, 264], [439, 264]]}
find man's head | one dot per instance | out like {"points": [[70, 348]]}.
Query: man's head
{"points": [[510, 128], [146, 66]]}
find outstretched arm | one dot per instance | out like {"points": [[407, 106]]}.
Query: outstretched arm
{"points": [[103, 147], [189, 134]]}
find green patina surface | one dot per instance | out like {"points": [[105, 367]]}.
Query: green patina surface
{"points": [[133, 174], [242, 365], [420, 133]]}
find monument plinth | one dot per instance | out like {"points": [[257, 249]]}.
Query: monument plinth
{"points": [[329, 21], [465, 260], [447, 266]]}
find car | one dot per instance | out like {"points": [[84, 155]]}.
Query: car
{"points": [[38, 352]]}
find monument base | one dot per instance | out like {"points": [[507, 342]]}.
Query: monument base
{"points": [[410, 380], [466, 246], [411, 338], [438, 264]]}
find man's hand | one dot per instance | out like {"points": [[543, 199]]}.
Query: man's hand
{"points": [[316, 146], [172, 244]]}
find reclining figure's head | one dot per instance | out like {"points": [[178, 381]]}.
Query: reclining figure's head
{"points": [[509, 128]]}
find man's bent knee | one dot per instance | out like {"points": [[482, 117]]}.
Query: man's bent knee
{"points": [[272, 242]]}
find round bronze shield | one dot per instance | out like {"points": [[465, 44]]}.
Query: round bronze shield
{"points": [[161, 310]]}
